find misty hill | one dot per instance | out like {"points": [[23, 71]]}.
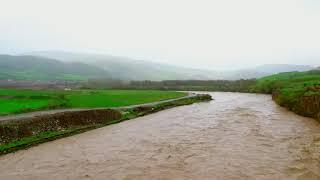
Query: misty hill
{"points": [[40, 68], [130, 69], [56, 65], [277, 68]]}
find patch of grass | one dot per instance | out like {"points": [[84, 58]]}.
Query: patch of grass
{"points": [[20, 105], [296, 81], [116, 98], [20, 100]]}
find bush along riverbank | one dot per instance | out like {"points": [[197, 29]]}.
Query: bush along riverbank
{"points": [[297, 91], [24, 133]]}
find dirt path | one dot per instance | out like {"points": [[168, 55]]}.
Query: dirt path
{"points": [[237, 136]]}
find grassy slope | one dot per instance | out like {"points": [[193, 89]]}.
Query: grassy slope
{"points": [[298, 80], [17, 101], [290, 87]]}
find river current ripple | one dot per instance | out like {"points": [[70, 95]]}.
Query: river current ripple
{"points": [[235, 136]]}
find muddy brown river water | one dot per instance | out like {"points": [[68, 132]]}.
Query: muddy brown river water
{"points": [[236, 136]]}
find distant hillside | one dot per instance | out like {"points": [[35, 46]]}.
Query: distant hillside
{"points": [[130, 69], [40, 68], [116, 67], [277, 68]]}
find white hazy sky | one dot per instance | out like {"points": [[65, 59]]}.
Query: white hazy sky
{"points": [[205, 34]]}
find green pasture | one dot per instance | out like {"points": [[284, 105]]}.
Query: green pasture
{"points": [[20, 100]]}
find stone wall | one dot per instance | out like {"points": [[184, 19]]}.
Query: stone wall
{"points": [[310, 106], [17, 129]]}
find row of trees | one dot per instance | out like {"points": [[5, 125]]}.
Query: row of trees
{"points": [[183, 85]]}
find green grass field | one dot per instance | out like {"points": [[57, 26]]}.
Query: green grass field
{"points": [[18, 101], [290, 84]]}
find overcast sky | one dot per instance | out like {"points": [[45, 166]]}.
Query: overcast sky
{"points": [[205, 34]]}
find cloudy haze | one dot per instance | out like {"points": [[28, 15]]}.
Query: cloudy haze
{"points": [[204, 34]]}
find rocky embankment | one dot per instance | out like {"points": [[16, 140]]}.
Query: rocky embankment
{"points": [[306, 105], [309, 106], [17, 129]]}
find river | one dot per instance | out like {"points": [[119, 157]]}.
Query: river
{"points": [[235, 136]]}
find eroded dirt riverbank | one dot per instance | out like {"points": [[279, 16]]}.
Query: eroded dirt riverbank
{"points": [[237, 136]]}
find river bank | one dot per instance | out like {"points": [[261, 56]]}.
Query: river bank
{"points": [[236, 136], [297, 91], [19, 132]]}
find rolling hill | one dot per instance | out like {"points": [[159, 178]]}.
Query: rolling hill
{"points": [[40, 68], [131, 69], [56, 65], [278, 68]]}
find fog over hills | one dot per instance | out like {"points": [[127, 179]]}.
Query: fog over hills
{"points": [[130, 69], [276, 68], [212, 34]]}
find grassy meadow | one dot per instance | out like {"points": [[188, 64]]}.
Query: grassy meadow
{"points": [[14, 101], [290, 84]]}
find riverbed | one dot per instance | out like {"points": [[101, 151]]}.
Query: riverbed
{"points": [[235, 136]]}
